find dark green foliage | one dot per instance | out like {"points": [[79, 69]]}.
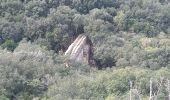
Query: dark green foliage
{"points": [[9, 45], [31, 71], [52, 20], [130, 38]]}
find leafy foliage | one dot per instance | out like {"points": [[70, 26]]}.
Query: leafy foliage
{"points": [[131, 40]]}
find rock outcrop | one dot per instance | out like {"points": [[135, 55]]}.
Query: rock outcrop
{"points": [[81, 50]]}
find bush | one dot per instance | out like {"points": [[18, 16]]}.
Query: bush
{"points": [[9, 45]]}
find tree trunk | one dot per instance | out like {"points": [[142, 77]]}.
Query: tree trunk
{"points": [[130, 93], [168, 89], [151, 97]]}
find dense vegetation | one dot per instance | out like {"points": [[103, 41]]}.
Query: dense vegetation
{"points": [[131, 40]]}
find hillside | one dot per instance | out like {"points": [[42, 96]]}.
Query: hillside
{"points": [[129, 40]]}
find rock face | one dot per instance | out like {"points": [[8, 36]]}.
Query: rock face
{"points": [[81, 50]]}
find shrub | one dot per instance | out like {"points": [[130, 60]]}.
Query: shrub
{"points": [[9, 45]]}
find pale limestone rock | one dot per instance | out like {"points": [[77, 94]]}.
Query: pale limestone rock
{"points": [[81, 50]]}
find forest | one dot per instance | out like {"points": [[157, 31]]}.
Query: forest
{"points": [[131, 47]]}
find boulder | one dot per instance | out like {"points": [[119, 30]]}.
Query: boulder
{"points": [[81, 50]]}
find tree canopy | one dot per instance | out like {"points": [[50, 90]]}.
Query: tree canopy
{"points": [[131, 43]]}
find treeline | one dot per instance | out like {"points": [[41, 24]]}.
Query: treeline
{"points": [[54, 24], [53, 21]]}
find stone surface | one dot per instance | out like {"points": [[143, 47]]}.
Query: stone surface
{"points": [[81, 50]]}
